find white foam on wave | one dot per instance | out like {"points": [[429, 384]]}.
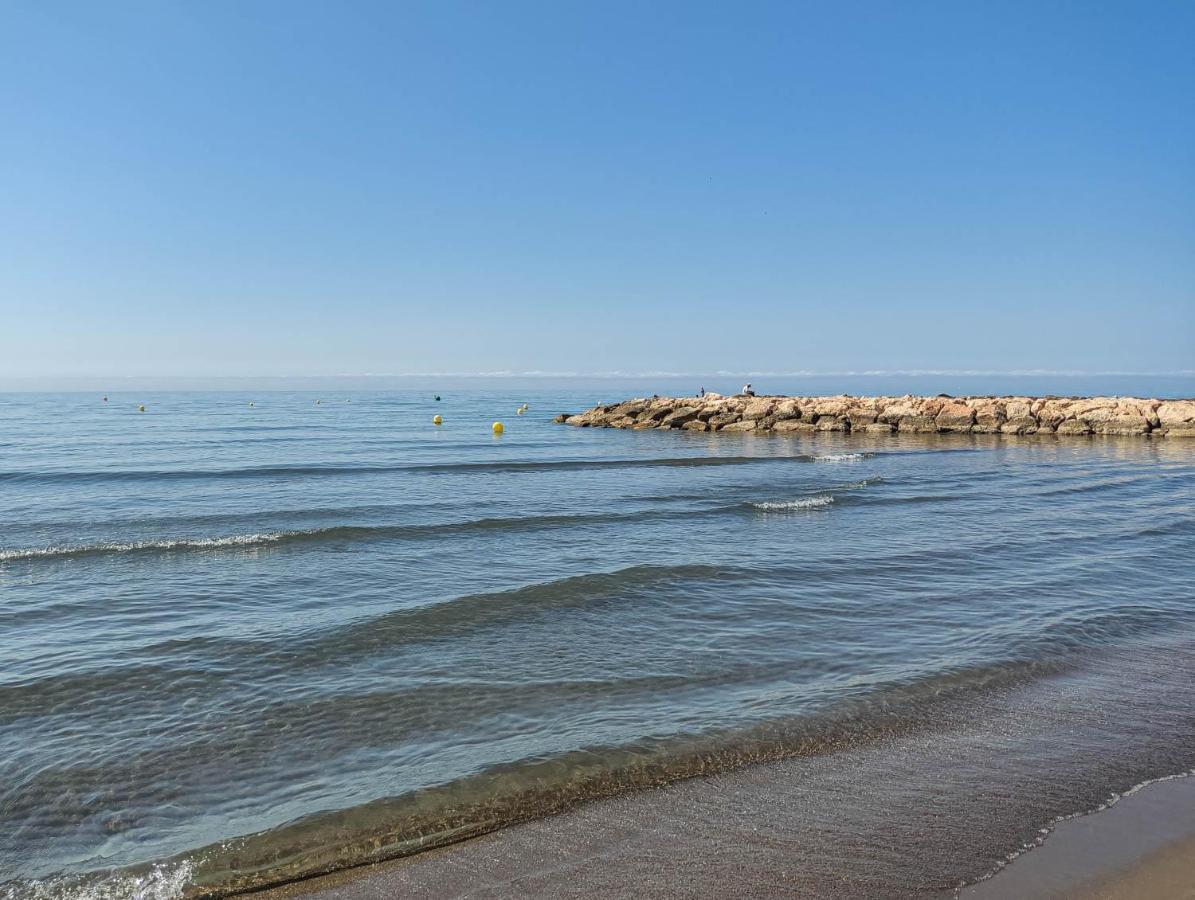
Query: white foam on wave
{"points": [[162, 882], [839, 457], [866, 482], [238, 540], [790, 505]]}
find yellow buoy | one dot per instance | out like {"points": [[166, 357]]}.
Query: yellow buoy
{"points": [[498, 428], [141, 408], [436, 420]]}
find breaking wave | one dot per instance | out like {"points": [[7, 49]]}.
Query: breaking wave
{"points": [[161, 882], [792, 505], [211, 543]]}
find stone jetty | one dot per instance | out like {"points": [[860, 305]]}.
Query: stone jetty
{"points": [[886, 415]]}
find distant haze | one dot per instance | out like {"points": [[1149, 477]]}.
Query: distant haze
{"points": [[267, 189]]}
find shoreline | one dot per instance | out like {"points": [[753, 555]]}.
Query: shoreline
{"points": [[1140, 844], [930, 814], [943, 414]]}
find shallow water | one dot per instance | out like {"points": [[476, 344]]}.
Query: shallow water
{"points": [[255, 642]]}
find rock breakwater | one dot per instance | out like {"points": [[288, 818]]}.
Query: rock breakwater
{"points": [[941, 414]]}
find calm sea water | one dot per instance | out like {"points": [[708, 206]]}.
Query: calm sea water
{"points": [[241, 643]]}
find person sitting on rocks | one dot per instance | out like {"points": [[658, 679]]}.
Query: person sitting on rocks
{"points": [[747, 392]]}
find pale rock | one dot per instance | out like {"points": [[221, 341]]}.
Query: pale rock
{"points": [[785, 426], [955, 416], [1172, 413], [745, 425], [1073, 426], [679, 417], [757, 409], [1019, 425], [831, 423], [917, 425]]}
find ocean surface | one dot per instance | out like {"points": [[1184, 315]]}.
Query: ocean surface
{"points": [[245, 638]]}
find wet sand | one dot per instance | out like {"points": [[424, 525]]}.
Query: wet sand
{"points": [[1141, 847], [911, 815]]}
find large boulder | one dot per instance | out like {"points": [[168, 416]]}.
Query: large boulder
{"points": [[744, 425], [1019, 425], [901, 408], [787, 409], [630, 408], [1051, 412], [654, 412], [955, 416], [758, 408], [830, 406], [1177, 417], [721, 420], [1018, 408], [989, 414], [1119, 418], [1072, 426], [788, 426], [679, 417], [917, 424]]}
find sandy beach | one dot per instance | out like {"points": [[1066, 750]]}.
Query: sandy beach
{"points": [[1141, 847]]}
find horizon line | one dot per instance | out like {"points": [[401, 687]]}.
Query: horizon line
{"points": [[536, 373]]}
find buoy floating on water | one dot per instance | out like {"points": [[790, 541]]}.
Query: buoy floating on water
{"points": [[436, 420], [105, 399], [436, 398], [250, 402], [141, 408], [498, 428]]}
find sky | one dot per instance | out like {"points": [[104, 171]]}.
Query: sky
{"points": [[278, 188]]}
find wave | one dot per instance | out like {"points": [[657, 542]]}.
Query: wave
{"points": [[840, 457], [530, 788], [426, 468], [792, 505], [180, 544], [161, 882], [368, 532], [333, 533]]}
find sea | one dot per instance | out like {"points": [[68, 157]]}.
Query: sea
{"points": [[253, 634]]}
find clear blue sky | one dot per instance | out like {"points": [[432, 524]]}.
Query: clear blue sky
{"points": [[236, 188]]}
